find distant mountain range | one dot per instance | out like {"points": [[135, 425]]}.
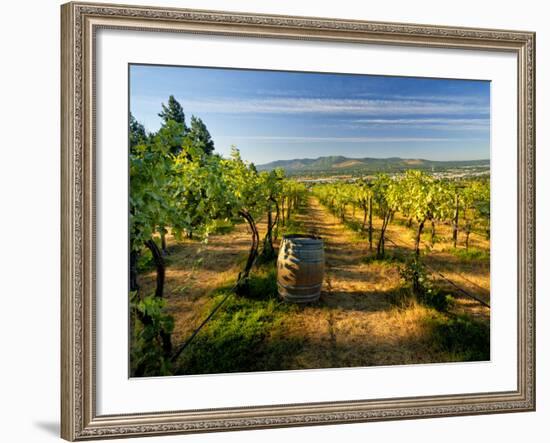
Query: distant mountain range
{"points": [[345, 165]]}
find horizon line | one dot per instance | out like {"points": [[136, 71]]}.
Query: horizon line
{"points": [[375, 158]]}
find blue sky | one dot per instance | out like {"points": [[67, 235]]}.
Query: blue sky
{"points": [[271, 115]]}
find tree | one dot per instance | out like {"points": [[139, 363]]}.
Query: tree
{"points": [[456, 213], [200, 136], [476, 206], [199, 192], [424, 198], [386, 194], [272, 181], [336, 197], [363, 197], [150, 204], [185, 192], [137, 133], [150, 164], [292, 192], [483, 207], [247, 199], [169, 139], [442, 205], [172, 112], [418, 200], [173, 129]]}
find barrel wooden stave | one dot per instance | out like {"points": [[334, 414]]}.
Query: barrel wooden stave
{"points": [[300, 269]]}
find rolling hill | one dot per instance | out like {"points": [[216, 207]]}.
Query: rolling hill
{"points": [[346, 165]]}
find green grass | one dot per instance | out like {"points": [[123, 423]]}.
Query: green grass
{"points": [[462, 337], [355, 226], [262, 285], [404, 222], [247, 334], [223, 227], [469, 254], [390, 258], [292, 227], [439, 238], [300, 209]]}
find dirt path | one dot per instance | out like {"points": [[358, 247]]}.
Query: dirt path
{"points": [[349, 281], [355, 324]]}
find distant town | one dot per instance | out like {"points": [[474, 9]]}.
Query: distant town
{"points": [[337, 168]]}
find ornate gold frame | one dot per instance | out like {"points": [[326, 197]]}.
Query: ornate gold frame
{"points": [[80, 21]]}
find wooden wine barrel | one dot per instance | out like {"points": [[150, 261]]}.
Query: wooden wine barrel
{"points": [[300, 268]]}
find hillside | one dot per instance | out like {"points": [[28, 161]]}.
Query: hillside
{"points": [[343, 165]]}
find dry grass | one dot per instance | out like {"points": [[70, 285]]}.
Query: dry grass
{"points": [[357, 321], [194, 270], [469, 274]]}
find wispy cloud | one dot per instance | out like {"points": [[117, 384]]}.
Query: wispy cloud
{"points": [[341, 106], [453, 124], [442, 98], [407, 121], [293, 139], [373, 95]]}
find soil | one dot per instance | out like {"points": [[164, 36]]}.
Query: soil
{"points": [[357, 321]]}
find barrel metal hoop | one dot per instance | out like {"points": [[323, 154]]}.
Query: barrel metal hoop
{"points": [[318, 286]]}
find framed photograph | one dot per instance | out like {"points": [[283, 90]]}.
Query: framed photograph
{"points": [[277, 221]]}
